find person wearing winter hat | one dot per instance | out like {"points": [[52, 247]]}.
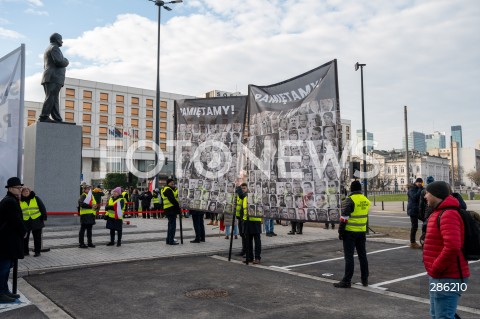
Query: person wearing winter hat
{"points": [[413, 210], [424, 210], [88, 210], [114, 211], [171, 208], [442, 255], [352, 230]]}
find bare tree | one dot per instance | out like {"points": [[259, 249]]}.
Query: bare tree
{"points": [[474, 176]]}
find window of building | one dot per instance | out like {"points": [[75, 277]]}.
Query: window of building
{"points": [[402, 169], [149, 103], [149, 113], [31, 113], [31, 122], [86, 129], [163, 115], [120, 99], [87, 118], [402, 181], [149, 135], [69, 104], [119, 120], [134, 122], [103, 108], [70, 93], [389, 171], [163, 146], [104, 97], [119, 109], [163, 136], [102, 142], [102, 131], [395, 171], [134, 111], [149, 124], [163, 125], [69, 116], [163, 104], [95, 164], [135, 101], [103, 119], [87, 95], [86, 141], [87, 106]]}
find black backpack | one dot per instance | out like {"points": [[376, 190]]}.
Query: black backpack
{"points": [[471, 246]]}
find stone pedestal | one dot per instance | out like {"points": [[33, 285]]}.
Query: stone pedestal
{"points": [[52, 168]]}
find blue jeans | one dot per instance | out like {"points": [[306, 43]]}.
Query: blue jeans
{"points": [[5, 265], [443, 304], [235, 230], [269, 224]]}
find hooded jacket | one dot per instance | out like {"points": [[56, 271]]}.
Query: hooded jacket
{"points": [[443, 246]]}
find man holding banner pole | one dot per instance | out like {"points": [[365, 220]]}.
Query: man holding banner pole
{"points": [[240, 210]]}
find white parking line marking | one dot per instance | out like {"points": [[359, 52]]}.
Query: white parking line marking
{"points": [[370, 288], [338, 258], [377, 285]]}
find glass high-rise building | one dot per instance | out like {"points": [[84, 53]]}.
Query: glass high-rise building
{"points": [[435, 140], [457, 134], [416, 141]]}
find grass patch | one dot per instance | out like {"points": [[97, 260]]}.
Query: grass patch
{"points": [[389, 198]]}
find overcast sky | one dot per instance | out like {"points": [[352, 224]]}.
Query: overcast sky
{"points": [[424, 54]]}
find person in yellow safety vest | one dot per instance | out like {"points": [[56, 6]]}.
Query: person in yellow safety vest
{"points": [[87, 218], [252, 227], [156, 200], [352, 230], [115, 219], [34, 213], [241, 192], [171, 208]]}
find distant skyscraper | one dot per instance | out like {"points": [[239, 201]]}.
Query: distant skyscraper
{"points": [[457, 134], [416, 141], [435, 140], [368, 137]]}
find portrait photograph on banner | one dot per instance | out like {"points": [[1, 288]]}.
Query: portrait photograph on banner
{"points": [[294, 146], [209, 151]]}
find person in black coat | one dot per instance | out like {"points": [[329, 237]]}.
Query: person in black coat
{"points": [[413, 209], [146, 198], [34, 213], [12, 232]]}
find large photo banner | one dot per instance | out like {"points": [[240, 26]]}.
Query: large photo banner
{"points": [[11, 114], [294, 141], [209, 151]]}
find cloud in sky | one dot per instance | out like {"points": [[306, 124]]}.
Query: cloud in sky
{"points": [[423, 54]]}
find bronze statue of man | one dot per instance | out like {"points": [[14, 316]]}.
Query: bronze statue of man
{"points": [[53, 79]]}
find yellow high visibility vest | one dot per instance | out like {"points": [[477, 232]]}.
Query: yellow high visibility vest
{"points": [[84, 211], [239, 207], [111, 213], [30, 210], [166, 201], [246, 216], [156, 199], [358, 218]]}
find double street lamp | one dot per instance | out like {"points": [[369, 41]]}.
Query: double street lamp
{"points": [[360, 66], [160, 5]]}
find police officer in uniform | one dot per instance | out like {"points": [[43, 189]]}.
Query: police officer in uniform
{"points": [[171, 208], [352, 230], [87, 218], [239, 211]]}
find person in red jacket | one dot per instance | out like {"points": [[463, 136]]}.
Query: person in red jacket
{"points": [[442, 253]]}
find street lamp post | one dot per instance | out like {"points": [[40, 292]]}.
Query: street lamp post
{"points": [[357, 66], [159, 4]]}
